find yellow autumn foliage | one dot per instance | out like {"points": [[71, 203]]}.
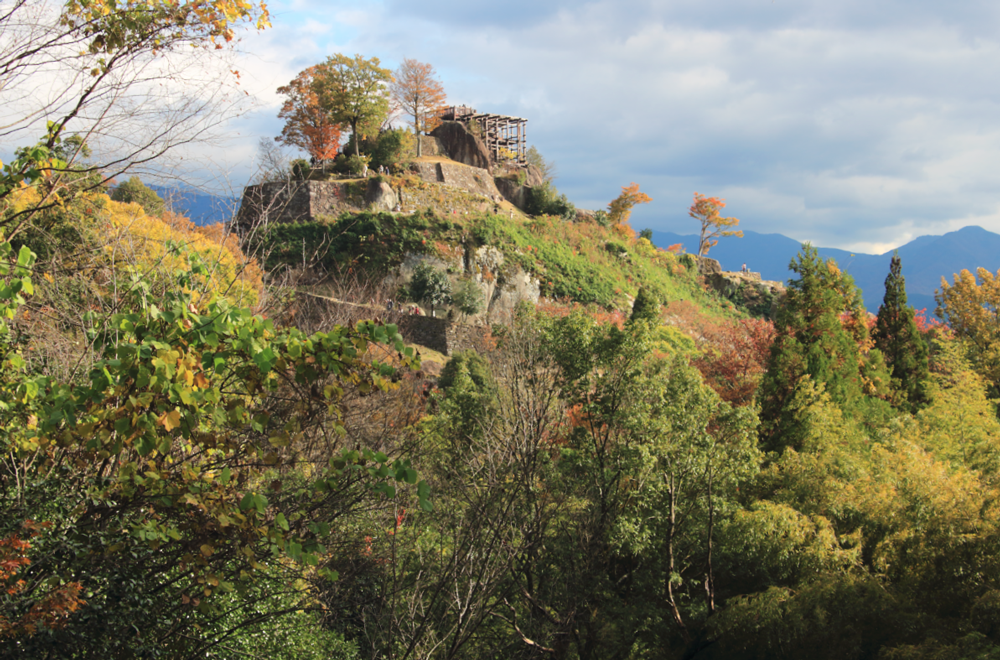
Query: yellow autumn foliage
{"points": [[147, 246], [131, 243]]}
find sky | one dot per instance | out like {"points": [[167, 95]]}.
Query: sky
{"points": [[852, 124]]}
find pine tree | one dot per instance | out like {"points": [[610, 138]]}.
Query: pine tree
{"points": [[903, 347]]}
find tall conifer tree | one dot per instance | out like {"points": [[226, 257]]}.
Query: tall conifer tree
{"points": [[812, 340], [896, 335]]}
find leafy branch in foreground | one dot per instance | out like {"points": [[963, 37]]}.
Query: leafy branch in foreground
{"points": [[185, 456]]}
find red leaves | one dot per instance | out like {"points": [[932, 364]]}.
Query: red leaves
{"points": [[706, 211], [734, 357], [307, 126], [620, 209], [51, 608]]}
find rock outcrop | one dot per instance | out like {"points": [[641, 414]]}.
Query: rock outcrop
{"points": [[748, 292], [471, 179], [504, 286], [514, 190], [461, 145], [379, 196], [429, 146]]}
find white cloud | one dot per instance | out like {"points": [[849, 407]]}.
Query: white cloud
{"points": [[852, 123]]}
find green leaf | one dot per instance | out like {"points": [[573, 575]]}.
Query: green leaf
{"points": [[265, 360], [145, 445], [281, 522], [25, 257]]}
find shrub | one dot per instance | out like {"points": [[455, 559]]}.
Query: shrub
{"points": [[300, 169], [546, 200], [389, 148], [135, 191], [352, 165], [430, 286]]}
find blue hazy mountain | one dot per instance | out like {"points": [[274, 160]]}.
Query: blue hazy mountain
{"points": [[201, 208], [925, 260]]}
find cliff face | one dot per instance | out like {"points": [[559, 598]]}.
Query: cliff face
{"points": [[746, 290], [461, 145], [503, 285]]}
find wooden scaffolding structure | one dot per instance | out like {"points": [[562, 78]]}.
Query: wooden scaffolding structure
{"points": [[505, 136]]}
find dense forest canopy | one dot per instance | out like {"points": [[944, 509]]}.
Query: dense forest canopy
{"points": [[198, 463]]}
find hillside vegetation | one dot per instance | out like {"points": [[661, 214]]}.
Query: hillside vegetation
{"points": [[630, 468], [579, 262]]}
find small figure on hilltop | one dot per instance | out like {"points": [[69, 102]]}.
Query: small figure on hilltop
{"points": [[744, 271]]}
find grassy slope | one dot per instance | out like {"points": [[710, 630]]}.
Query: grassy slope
{"points": [[575, 262]]}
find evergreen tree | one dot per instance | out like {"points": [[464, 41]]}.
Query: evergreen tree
{"points": [[430, 286], [896, 335], [812, 340], [645, 308]]}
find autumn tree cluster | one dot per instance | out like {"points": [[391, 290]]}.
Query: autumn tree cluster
{"points": [[358, 95]]}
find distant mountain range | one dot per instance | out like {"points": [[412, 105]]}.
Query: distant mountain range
{"points": [[925, 260], [200, 208]]}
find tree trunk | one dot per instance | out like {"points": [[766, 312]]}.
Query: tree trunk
{"points": [[416, 128], [709, 571], [671, 599]]}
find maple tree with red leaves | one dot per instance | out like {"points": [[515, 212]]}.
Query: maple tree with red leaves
{"points": [[734, 358], [620, 209], [307, 125]]}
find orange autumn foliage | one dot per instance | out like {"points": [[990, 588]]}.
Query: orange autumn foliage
{"points": [[49, 609], [307, 126], [734, 357], [564, 307], [620, 209], [416, 89], [706, 211]]}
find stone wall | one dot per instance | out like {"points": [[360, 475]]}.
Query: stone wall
{"points": [[470, 189], [299, 201]]}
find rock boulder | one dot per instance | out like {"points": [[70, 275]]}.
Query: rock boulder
{"points": [[461, 145], [379, 196]]}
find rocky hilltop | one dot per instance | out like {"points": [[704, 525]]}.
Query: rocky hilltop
{"points": [[746, 290], [455, 159]]}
